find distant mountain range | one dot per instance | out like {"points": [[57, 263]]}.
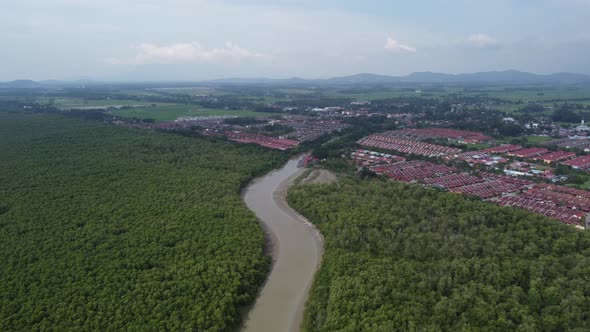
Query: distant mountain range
{"points": [[30, 84], [508, 77], [491, 77]]}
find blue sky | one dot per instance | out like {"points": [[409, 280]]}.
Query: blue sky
{"points": [[204, 39]]}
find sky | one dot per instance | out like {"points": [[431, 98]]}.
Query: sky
{"points": [[131, 40]]}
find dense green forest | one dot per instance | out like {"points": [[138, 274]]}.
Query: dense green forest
{"points": [[105, 228], [405, 258]]}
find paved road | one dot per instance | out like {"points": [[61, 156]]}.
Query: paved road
{"points": [[297, 252]]}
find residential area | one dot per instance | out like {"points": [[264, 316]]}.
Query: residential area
{"points": [[507, 175]]}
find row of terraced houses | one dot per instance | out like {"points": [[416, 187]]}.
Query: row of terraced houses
{"points": [[566, 204]]}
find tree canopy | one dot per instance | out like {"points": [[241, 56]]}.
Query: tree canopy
{"points": [[108, 228], [405, 258]]}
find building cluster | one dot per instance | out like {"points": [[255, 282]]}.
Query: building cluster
{"points": [[559, 157], [365, 158], [332, 109], [462, 136], [266, 141], [562, 158], [582, 162], [311, 130], [562, 199], [413, 170], [307, 161], [388, 141], [562, 203], [485, 186], [490, 187], [553, 157], [206, 123], [453, 180], [477, 157], [550, 210], [566, 204], [502, 149], [523, 168], [527, 153], [215, 118], [579, 143], [304, 129]]}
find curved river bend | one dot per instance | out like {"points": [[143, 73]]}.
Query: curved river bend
{"points": [[297, 251]]}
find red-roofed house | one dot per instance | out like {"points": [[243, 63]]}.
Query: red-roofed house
{"points": [[528, 153]]}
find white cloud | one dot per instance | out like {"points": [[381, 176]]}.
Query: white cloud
{"points": [[395, 46], [481, 40], [572, 2], [183, 53]]}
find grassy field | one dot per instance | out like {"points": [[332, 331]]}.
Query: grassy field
{"points": [[13, 98], [544, 95], [478, 146], [538, 139], [172, 112], [138, 93], [67, 102], [537, 94], [532, 139], [377, 95], [199, 90]]}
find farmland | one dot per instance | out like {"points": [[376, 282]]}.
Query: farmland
{"points": [[172, 112], [143, 107], [72, 102]]}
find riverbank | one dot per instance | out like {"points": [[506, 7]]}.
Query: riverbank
{"points": [[319, 176], [296, 247]]}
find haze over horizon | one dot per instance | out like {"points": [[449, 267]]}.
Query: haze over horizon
{"points": [[205, 39]]}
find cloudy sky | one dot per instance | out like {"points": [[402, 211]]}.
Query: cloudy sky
{"points": [[204, 39]]}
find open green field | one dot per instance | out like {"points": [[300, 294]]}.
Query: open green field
{"points": [[478, 146], [535, 94], [297, 91], [105, 228], [395, 93], [199, 90], [138, 93], [172, 112], [543, 95], [508, 108], [534, 139], [14, 98], [515, 109], [146, 110], [68, 102]]}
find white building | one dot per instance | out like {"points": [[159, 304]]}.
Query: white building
{"points": [[582, 127]]}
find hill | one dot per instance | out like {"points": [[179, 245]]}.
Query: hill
{"points": [[491, 77]]}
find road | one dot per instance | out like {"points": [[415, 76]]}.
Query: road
{"points": [[297, 249]]}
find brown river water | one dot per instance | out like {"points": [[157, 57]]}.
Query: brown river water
{"points": [[297, 249]]}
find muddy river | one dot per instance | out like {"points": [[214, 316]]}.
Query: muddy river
{"points": [[297, 251]]}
